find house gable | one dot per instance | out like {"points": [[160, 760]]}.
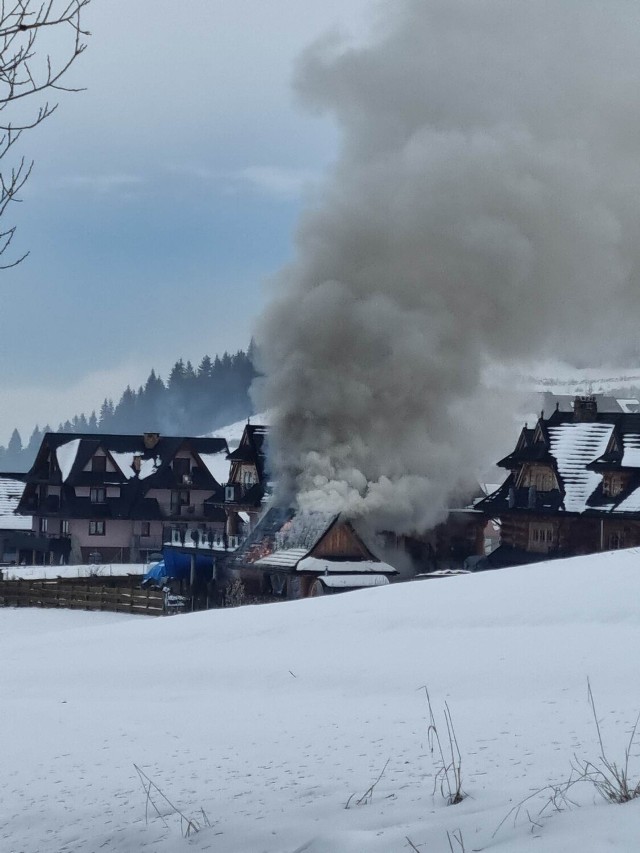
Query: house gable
{"points": [[341, 542]]}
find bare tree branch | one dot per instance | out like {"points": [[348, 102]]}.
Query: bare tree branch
{"points": [[29, 69]]}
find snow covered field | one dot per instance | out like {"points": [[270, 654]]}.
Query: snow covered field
{"points": [[28, 573], [270, 717]]}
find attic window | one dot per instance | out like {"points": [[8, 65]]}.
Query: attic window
{"points": [[99, 464], [97, 495], [612, 485], [543, 480], [182, 467]]}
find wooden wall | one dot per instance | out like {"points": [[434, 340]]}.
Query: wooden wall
{"points": [[342, 543]]}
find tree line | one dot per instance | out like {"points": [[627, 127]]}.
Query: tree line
{"points": [[192, 401]]}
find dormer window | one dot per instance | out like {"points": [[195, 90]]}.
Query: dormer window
{"points": [[182, 468], [613, 484], [99, 464], [543, 480]]}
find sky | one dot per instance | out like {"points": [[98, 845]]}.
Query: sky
{"points": [[163, 199]]}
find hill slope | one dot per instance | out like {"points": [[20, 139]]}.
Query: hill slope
{"points": [[270, 717]]}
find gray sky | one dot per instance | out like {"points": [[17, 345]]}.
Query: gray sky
{"points": [[163, 197]]}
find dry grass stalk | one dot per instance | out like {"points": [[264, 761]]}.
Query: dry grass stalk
{"points": [[449, 769]]}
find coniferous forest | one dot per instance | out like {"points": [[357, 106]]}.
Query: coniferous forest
{"points": [[192, 401]]}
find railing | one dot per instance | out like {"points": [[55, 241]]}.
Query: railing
{"points": [[202, 539]]}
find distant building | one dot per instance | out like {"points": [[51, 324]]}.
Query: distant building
{"points": [[117, 498], [18, 543], [573, 485]]}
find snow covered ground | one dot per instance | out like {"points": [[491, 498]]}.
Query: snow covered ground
{"points": [[269, 717], [83, 571]]}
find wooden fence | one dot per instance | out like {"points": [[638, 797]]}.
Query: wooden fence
{"points": [[80, 595]]}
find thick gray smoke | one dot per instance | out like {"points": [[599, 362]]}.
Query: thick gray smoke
{"points": [[485, 208]]}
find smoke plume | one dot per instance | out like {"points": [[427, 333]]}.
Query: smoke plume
{"points": [[484, 209]]}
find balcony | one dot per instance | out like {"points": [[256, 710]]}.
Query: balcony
{"points": [[200, 539]]}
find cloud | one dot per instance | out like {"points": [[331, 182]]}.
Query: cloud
{"points": [[279, 182]]}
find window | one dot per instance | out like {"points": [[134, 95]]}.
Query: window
{"points": [[543, 480], [64, 528], [541, 537], [179, 499], [96, 528], [616, 540], [43, 525], [97, 495], [99, 464], [182, 468], [145, 528], [249, 477], [612, 484]]}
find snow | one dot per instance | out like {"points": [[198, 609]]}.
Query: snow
{"points": [[631, 455], [346, 581], [233, 432], [287, 557], [148, 467], [217, 465], [66, 455], [270, 717], [81, 571], [10, 493], [316, 564], [629, 406], [124, 461], [574, 446]]}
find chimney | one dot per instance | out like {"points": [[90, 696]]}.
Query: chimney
{"points": [[151, 439], [585, 409]]}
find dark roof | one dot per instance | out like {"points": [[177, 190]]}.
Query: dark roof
{"points": [[137, 467], [253, 448], [578, 451]]}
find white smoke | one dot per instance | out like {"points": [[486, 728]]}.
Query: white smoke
{"points": [[485, 208]]}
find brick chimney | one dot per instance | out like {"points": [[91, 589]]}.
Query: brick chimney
{"points": [[151, 439], [585, 409]]}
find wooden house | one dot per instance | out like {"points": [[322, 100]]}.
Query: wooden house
{"points": [[306, 554], [573, 485], [247, 484]]}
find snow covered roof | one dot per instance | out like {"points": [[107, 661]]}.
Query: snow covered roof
{"points": [[10, 493], [574, 446], [287, 558], [66, 455], [581, 447], [217, 465], [631, 454], [320, 566], [348, 581]]}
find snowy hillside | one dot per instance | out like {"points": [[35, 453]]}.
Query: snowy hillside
{"points": [[233, 432], [270, 717]]}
